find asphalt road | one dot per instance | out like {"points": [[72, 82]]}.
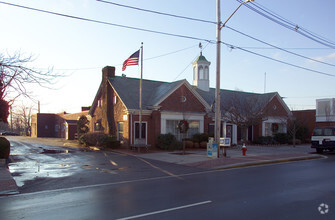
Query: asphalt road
{"points": [[152, 190]]}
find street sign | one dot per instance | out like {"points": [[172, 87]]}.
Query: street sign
{"points": [[225, 142]]}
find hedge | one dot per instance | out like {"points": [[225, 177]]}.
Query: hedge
{"points": [[4, 148]]}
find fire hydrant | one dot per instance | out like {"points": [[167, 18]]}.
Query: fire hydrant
{"points": [[244, 149]]}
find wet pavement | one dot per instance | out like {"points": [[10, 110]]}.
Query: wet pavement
{"points": [[45, 164], [32, 161]]}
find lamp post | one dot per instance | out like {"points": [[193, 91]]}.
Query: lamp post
{"points": [[219, 26]]}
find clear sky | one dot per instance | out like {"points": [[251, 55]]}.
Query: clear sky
{"points": [[81, 49]]}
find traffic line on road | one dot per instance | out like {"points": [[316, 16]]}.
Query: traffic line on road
{"points": [[160, 169], [165, 210]]}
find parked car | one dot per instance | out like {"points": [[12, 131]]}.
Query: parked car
{"points": [[8, 133], [323, 139]]}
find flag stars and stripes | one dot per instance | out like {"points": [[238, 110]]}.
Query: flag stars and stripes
{"points": [[132, 60]]}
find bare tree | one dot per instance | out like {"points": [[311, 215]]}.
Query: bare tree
{"points": [[21, 118], [15, 75], [244, 111]]}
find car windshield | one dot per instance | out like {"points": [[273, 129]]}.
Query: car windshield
{"points": [[317, 132], [328, 132]]}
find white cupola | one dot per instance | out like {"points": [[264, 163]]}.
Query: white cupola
{"points": [[201, 73]]}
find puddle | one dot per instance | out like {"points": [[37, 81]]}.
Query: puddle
{"points": [[53, 151]]}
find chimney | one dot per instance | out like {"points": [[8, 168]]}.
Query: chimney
{"points": [[108, 72], [106, 98]]}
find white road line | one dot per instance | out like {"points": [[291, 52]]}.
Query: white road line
{"points": [[141, 180], [165, 210]]}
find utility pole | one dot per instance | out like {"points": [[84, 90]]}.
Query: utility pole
{"points": [[219, 26], [218, 90]]}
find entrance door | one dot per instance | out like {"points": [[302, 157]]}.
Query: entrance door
{"points": [[229, 132], [143, 138]]}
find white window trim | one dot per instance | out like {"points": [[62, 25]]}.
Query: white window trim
{"points": [[279, 120], [179, 116]]}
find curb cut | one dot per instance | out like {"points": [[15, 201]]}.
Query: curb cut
{"points": [[265, 162]]}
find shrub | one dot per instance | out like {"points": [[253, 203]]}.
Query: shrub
{"points": [[99, 139], [264, 140], [188, 143], [110, 142], [168, 142], [4, 148], [82, 126], [281, 138], [198, 138], [203, 145], [297, 141]]}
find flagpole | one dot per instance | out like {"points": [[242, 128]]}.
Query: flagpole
{"points": [[141, 94]]}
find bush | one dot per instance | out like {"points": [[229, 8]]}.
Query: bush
{"points": [[188, 144], [297, 142], [168, 142], [110, 142], [99, 139], [264, 140], [281, 138], [198, 138], [4, 148]]}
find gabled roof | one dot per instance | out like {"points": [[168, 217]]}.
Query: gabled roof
{"points": [[95, 101], [153, 92], [226, 97]]}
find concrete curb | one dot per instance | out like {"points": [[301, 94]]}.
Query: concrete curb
{"points": [[265, 162], [7, 183]]}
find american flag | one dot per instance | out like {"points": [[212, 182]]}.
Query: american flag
{"points": [[132, 60]]}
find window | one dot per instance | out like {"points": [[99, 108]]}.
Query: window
{"points": [[206, 73], [98, 126], [137, 130], [120, 132], [172, 127], [268, 129], [201, 72], [323, 108], [328, 132]]}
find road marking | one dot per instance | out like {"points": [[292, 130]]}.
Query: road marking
{"points": [[136, 180], [160, 169], [166, 210]]}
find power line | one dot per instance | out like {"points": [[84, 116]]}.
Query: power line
{"points": [[157, 12], [212, 22], [158, 32], [299, 55], [290, 48], [150, 58], [261, 10], [107, 23], [279, 61]]}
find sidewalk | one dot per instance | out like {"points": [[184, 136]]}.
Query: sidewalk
{"points": [[256, 155], [7, 183]]}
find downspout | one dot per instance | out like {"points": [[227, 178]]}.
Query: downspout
{"points": [[131, 128]]}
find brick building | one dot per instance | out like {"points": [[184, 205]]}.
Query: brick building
{"points": [[62, 125], [115, 109]]}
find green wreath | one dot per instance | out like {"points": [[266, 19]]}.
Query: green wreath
{"points": [[183, 126]]}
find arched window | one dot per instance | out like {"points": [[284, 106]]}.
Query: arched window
{"points": [[201, 72], [206, 73]]}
